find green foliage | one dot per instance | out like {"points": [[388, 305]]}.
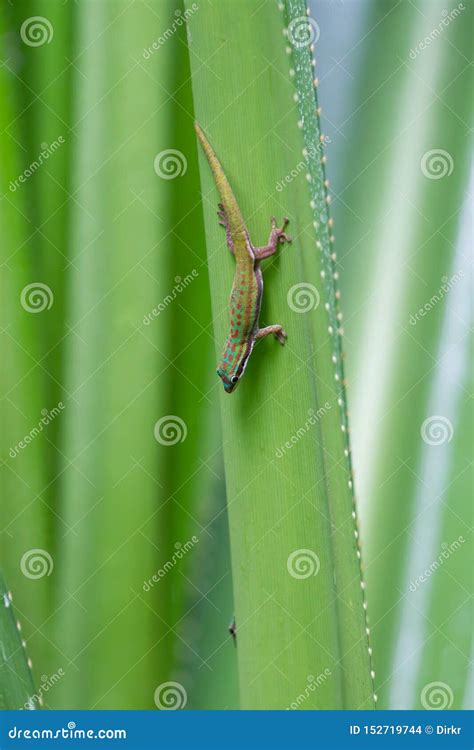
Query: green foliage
{"points": [[16, 681], [157, 505], [401, 250], [297, 507]]}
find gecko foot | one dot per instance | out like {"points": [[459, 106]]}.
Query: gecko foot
{"points": [[277, 236], [282, 336], [280, 234], [277, 330]]}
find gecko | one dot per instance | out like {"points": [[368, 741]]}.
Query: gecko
{"points": [[246, 296]]}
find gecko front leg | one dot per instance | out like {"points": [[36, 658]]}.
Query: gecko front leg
{"points": [[279, 332], [276, 236]]}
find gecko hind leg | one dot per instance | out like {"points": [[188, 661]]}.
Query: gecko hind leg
{"points": [[279, 332], [276, 236], [224, 222]]}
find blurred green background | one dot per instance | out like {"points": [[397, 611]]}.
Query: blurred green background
{"points": [[107, 330]]}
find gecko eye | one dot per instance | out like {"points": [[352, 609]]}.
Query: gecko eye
{"points": [[234, 379]]}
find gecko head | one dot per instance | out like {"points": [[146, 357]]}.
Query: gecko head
{"points": [[230, 382]]}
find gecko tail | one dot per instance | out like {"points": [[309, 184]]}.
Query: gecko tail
{"points": [[236, 223]]}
